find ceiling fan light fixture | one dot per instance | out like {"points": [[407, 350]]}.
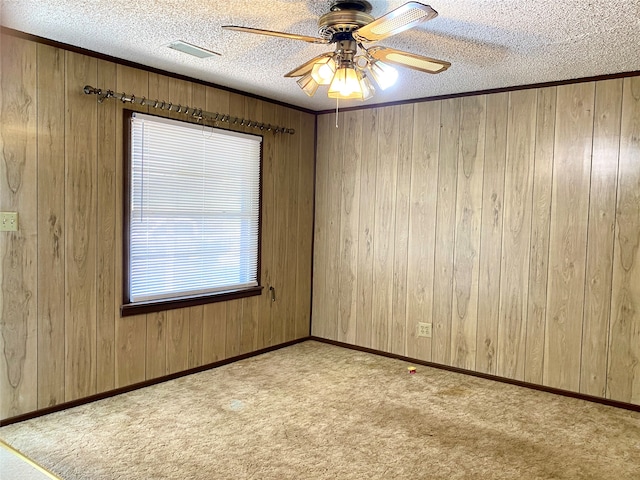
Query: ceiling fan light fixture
{"points": [[324, 70], [352, 69], [345, 84], [308, 85], [384, 75]]}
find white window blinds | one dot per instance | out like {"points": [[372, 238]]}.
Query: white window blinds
{"points": [[194, 209]]}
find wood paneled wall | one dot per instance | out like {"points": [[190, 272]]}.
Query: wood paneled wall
{"points": [[62, 335], [510, 221]]}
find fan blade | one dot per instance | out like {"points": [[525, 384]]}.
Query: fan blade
{"points": [[271, 33], [306, 67], [410, 60], [402, 18]]}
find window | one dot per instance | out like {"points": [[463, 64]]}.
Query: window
{"points": [[192, 199]]}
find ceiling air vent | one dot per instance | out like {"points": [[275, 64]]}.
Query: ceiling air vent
{"points": [[185, 47]]}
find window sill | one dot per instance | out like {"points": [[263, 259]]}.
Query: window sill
{"points": [[140, 308]]}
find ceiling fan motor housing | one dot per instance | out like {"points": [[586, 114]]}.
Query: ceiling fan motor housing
{"points": [[359, 5], [344, 18]]}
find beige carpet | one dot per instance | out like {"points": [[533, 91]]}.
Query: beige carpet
{"points": [[319, 411], [14, 466]]}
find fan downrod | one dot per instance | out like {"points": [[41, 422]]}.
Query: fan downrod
{"points": [[357, 5]]}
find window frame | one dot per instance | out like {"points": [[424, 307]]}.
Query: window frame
{"points": [[127, 307]]}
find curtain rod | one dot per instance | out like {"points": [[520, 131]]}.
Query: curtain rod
{"points": [[196, 113]]}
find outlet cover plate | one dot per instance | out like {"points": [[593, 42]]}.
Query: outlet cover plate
{"points": [[424, 329], [8, 221]]}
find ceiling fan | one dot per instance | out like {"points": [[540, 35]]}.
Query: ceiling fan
{"points": [[347, 69]]}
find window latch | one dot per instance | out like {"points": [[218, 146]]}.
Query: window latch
{"points": [[273, 293]]}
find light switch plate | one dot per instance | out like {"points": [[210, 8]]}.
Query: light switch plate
{"points": [[8, 221]]}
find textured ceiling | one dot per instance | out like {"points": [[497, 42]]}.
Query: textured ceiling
{"points": [[490, 43]]}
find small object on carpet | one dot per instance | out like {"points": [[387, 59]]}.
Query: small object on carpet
{"points": [[412, 370]]}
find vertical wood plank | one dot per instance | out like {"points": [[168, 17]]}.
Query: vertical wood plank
{"points": [[196, 322], [107, 207], [422, 224], [318, 315], [177, 344], [217, 100], [80, 227], [19, 250], [269, 161], [130, 350], [624, 350], [600, 237], [349, 211], [281, 208], [568, 235], [383, 237], [253, 111], [398, 331], [495, 153], [234, 318], [445, 230], [464, 318], [214, 330], [516, 233], [539, 249], [180, 93], [249, 323], [292, 167], [306, 144], [156, 345], [251, 305], [130, 332], [332, 220], [366, 226], [51, 241]]}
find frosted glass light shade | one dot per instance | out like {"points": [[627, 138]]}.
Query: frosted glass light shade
{"points": [[324, 70], [384, 75], [308, 85], [345, 84], [366, 87]]}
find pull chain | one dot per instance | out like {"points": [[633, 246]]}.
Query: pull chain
{"points": [[337, 104]]}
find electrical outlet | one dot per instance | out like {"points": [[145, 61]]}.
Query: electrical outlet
{"points": [[8, 221], [424, 329]]}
